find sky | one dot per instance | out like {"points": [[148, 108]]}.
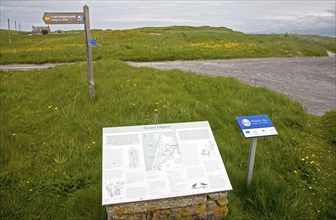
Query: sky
{"points": [[266, 16]]}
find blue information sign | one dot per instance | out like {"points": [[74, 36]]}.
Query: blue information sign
{"points": [[256, 126], [93, 42]]}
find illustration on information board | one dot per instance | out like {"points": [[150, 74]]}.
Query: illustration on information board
{"points": [[208, 149], [115, 189], [133, 155]]}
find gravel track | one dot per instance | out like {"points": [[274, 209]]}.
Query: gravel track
{"points": [[310, 80]]}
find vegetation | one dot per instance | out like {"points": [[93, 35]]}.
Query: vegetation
{"points": [[170, 43], [44, 31], [50, 163]]}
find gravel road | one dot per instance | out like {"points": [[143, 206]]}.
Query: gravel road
{"points": [[310, 80], [27, 67]]}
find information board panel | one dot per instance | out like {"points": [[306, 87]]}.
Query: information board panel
{"points": [[256, 126], [161, 161]]}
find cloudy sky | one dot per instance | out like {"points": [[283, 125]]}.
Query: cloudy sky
{"points": [[267, 16]]}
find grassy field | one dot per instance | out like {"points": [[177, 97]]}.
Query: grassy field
{"points": [[50, 163], [170, 43]]}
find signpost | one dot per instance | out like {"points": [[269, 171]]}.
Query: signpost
{"points": [[254, 127], [76, 18]]}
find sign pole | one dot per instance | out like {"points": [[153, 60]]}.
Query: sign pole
{"points": [[9, 37], [253, 148], [89, 51]]}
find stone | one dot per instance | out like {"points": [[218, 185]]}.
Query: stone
{"points": [[207, 206]]}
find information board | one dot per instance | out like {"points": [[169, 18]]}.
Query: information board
{"points": [[161, 161], [256, 126]]}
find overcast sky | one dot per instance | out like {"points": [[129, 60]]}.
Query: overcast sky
{"points": [[284, 16]]}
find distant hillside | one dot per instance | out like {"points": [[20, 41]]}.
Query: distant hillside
{"points": [[161, 43]]}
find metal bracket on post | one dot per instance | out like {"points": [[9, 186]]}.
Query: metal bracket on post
{"points": [[253, 148]]}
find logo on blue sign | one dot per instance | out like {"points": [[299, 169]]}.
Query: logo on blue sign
{"points": [[246, 122]]}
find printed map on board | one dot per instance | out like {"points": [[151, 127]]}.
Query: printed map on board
{"points": [[161, 151]]}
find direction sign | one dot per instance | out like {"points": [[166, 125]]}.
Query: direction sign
{"points": [[76, 18], [63, 18]]}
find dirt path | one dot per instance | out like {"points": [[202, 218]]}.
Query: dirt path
{"points": [[27, 67], [311, 80]]}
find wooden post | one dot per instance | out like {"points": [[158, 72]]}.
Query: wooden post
{"points": [[16, 32], [89, 51], [9, 37]]}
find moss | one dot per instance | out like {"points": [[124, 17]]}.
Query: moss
{"points": [[121, 211], [222, 202], [220, 211], [151, 208]]}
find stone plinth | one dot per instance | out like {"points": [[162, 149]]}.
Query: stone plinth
{"points": [[207, 206]]}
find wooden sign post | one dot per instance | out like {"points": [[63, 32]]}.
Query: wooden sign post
{"points": [[76, 18], [89, 51]]}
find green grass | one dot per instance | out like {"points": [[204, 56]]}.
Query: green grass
{"points": [[170, 43], [50, 164]]}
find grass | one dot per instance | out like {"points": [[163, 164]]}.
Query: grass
{"points": [[51, 140], [50, 163], [170, 43]]}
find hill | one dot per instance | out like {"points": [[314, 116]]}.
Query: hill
{"points": [[169, 43]]}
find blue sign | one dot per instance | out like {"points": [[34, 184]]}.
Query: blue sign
{"points": [[256, 126], [93, 42]]}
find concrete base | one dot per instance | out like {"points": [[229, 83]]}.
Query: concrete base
{"points": [[207, 206]]}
